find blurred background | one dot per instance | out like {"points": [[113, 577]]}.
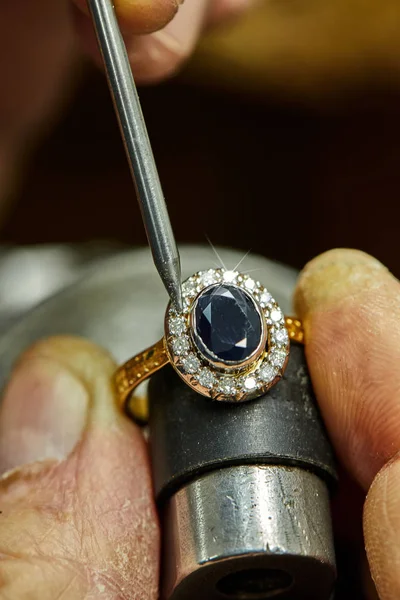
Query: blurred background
{"points": [[281, 135]]}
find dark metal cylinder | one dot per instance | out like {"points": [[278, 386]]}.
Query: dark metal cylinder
{"points": [[243, 491]]}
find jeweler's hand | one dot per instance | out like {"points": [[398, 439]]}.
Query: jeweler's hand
{"points": [[77, 515], [161, 34], [350, 305]]}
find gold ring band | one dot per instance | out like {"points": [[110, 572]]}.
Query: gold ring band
{"points": [[136, 370]]}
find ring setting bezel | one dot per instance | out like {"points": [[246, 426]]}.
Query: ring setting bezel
{"points": [[220, 380]]}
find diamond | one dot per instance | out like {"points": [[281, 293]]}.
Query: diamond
{"points": [[227, 386], [177, 325], [250, 284], [267, 373], [189, 288], [209, 277], [228, 325], [281, 336], [278, 357], [229, 276], [276, 315], [265, 298], [191, 364], [206, 378], [180, 345], [187, 302], [250, 383]]}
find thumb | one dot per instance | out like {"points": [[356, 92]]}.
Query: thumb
{"points": [[77, 518]]}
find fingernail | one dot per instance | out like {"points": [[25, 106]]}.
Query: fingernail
{"points": [[335, 276], [43, 413]]}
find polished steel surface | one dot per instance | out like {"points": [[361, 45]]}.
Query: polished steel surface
{"points": [[137, 146], [246, 511]]}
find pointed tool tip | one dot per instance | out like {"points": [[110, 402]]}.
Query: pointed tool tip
{"points": [[170, 273], [176, 297]]}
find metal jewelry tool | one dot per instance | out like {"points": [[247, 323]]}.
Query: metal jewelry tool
{"points": [[138, 148]]}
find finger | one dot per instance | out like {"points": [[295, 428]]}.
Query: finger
{"points": [[160, 54], [140, 16], [382, 530], [163, 53], [350, 304], [221, 10], [78, 520]]}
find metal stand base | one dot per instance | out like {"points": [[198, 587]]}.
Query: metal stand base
{"points": [[249, 533]]}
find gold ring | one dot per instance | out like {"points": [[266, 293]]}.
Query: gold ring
{"points": [[230, 342]]}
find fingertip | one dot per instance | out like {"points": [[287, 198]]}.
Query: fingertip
{"points": [[54, 390], [76, 352], [137, 17], [156, 57], [164, 50], [161, 54], [153, 57], [382, 530], [145, 16], [332, 276], [350, 306]]}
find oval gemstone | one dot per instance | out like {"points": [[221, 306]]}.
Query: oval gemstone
{"points": [[227, 324]]}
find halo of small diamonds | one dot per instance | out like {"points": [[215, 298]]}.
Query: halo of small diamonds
{"points": [[227, 384]]}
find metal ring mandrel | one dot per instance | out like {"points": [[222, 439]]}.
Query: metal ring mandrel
{"points": [[244, 491]]}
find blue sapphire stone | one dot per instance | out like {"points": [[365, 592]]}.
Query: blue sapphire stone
{"points": [[227, 324]]}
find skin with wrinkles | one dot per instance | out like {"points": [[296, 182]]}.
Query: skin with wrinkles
{"points": [[354, 303], [83, 527], [382, 529], [350, 304]]}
